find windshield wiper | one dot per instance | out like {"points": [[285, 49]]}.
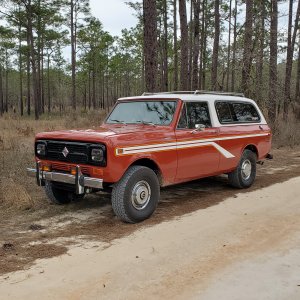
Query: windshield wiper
{"points": [[146, 123], [117, 121]]}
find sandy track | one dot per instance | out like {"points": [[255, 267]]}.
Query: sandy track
{"points": [[246, 247]]}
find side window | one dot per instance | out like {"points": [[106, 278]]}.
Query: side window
{"points": [[182, 123], [198, 113], [194, 113], [245, 112], [223, 111]]}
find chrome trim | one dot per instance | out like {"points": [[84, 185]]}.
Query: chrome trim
{"points": [[81, 182]]}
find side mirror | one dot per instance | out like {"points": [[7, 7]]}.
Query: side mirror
{"points": [[199, 127]]}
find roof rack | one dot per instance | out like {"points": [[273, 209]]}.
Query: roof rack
{"points": [[219, 93], [197, 92], [166, 93]]}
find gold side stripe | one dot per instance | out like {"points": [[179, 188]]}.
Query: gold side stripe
{"points": [[183, 145]]}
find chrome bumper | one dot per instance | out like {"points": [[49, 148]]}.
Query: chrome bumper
{"points": [[80, 181]]}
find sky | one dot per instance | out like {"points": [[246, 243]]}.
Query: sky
{"points": [[115, 15]]}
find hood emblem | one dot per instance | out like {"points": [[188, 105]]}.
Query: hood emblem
{"points": [[65, 152]]}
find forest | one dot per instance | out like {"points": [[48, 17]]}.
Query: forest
{"points": [[247, 46]]}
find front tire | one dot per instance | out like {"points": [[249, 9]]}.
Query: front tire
{"points": [[59, 196], [135, 196], [244, 175]]}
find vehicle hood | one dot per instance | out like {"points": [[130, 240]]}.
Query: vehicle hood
{"points": [[96, 134]]}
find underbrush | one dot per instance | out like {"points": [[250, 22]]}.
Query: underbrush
{"points": [[287, 134], [17, 191]]}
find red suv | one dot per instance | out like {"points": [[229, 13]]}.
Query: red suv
{"points": [[152, 141]]}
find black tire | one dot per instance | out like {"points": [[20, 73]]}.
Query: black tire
{"points": [[244, 175], [60, 196], [135, 196]]}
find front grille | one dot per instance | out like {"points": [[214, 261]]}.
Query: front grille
{"points": [[77, 153], [71, 152]]}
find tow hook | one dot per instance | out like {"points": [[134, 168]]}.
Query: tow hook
{"points": [[269, 156]]}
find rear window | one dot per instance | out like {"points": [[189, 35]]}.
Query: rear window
{"points": [[236, 112]]}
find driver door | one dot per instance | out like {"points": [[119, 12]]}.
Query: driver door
{"points": [[197, 157]]}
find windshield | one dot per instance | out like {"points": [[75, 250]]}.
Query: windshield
{"points": [[143, 112]]}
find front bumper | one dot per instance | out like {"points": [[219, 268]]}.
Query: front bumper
{"points": [[79, 180]]}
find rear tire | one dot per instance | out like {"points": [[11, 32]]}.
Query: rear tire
{"points": [[60, 196], [244, 175], [135, 196]]}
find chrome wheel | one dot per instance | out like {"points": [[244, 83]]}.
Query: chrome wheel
{"points": [[141, 194], [246, 169]]}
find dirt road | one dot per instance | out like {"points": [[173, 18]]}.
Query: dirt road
{"points": [[246, 247]]}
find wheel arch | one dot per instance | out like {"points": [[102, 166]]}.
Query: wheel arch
{"points": [[151, 164], [252, 148]]}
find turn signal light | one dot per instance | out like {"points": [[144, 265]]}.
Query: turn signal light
{"points": [[46, 168], [73, 171]]}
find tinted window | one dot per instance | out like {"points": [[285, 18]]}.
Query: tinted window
{"points": [[135, 112], [245, 112], [194, 113], [223, 111]]}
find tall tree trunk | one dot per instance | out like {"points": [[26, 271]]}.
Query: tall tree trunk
{"points": [[260, 58], [42, 88], [150, 44], [297, 92], [38, 55], [184, 69], [233, 64], [229, 46], [273, 63], [73, 55], [36, 91], [289, 57], [6, 80], [21, 85], [20, 69], [165, 52], [196, 47], [175, 46], [28, 77], [143, 85], [191, 46], [48, 82], [247, 55], [89, 87], [1, 92], [202, 68], [215, 55], [94, 88]]}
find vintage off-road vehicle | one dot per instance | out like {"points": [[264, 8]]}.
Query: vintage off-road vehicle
{"points": [[152, 141]]}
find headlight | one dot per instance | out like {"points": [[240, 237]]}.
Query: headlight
{"points": [[97, 155], [41, 149]]}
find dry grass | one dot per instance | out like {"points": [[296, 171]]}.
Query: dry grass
{"points": [[17, 191], [287, 134]]}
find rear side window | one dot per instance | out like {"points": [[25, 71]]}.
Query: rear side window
{"points": [[236, 112], [194, 113], [245, 112], [224, 113]]}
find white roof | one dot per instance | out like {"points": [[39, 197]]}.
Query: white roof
{"points": [[189, 97]]}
